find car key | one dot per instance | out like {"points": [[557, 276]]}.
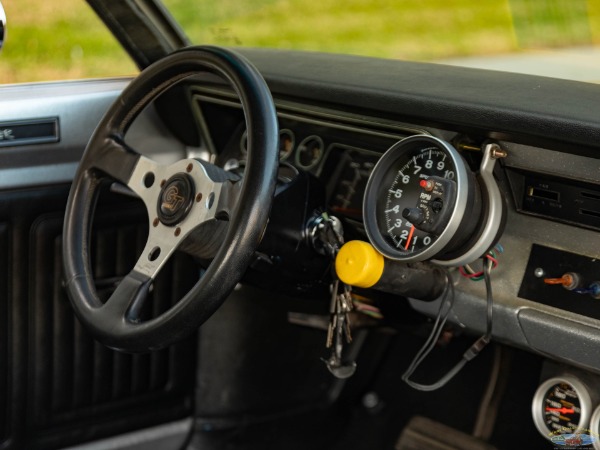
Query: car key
{"points": [[338, 333]]}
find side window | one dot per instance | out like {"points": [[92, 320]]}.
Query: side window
{"points": [[51, 40]]}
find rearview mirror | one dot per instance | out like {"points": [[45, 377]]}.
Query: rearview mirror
{"points": [[2, 26]]}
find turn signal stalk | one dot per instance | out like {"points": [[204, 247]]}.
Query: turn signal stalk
{"points": [[359, 264]]}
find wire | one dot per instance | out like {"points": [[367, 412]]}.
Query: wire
{"points": [[493, 260], [489, 299], [360, 305], [365, 307], [468, 272], [442, 317], [438, 326]]}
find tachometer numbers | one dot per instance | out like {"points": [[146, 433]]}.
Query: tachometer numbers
{"points": [[416, 199]]}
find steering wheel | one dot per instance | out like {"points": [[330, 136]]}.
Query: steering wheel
{"points": [[179, 199]]}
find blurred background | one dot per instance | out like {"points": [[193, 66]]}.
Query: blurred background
{"points": [[56, 40]]}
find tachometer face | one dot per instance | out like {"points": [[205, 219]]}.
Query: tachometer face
{"points": [[561, 406], [401, 189], [416, 199]]}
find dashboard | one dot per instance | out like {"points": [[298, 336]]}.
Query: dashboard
{"points": [[340, 152], [551, 197], [551, 206]]}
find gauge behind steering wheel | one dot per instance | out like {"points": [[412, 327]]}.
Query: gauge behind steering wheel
{"points": [[179, 198]]}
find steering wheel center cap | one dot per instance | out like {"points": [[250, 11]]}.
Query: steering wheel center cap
{"points": [[176, 199]]}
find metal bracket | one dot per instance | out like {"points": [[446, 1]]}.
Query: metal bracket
{"points": [[491, 153]]}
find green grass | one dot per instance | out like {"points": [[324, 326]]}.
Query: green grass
{"points": [[51, 39], [407, 29], [551, 23]]}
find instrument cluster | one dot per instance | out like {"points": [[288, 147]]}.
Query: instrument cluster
{"points": [[343, 158], [305, 154]]}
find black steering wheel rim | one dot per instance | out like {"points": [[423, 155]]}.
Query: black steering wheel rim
{"points": [[103, 159]]}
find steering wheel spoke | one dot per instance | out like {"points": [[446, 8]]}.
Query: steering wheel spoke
{"points": [[126, 302], [159, 247], [116, 159]]}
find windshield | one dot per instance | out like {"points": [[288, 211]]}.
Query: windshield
{"points": [[553, 38], [51, 40]]}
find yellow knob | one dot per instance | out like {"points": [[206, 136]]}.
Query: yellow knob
{"points": [[359, 264]]}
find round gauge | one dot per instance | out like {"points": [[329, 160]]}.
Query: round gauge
{"points": [[421, 201], [286, 144], [594, 430], [561, 407], [310, 151]]}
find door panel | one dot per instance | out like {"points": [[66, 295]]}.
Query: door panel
{"points": [[58, 386]]}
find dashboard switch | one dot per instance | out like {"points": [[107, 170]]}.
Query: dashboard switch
{"points": [[569, 281]]}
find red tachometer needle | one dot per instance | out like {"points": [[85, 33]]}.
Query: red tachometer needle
{"points": [[562, 410], [410, 235]]}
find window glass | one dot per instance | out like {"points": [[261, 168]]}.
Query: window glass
{"points": [[54, 40], [58, 40], [423, 30], [387, 28]]}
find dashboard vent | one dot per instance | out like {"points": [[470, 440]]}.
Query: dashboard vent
{"points": [[571, 201]]}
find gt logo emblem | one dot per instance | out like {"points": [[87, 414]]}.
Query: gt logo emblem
{"points": [[172, 201], [175, 200]]}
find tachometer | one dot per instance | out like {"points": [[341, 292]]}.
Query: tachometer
{"points": [[422, 201], [427, 178]]}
